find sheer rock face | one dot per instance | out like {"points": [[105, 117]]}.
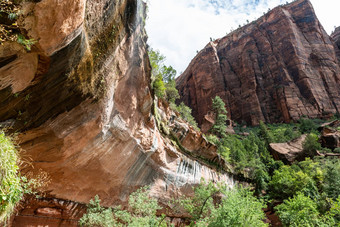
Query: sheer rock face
{"points": [[82, 104], [275, 69], [336, 37]]}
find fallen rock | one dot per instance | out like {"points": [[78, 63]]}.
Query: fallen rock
{"points": [[332, 124], [330, 138], [209, 121], [290, 151]]}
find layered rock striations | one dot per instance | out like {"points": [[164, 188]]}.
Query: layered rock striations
{"points": [[275, 69], [336, 38], [84, 112]]}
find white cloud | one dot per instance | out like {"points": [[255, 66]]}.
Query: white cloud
{"points": [[178, 28]]}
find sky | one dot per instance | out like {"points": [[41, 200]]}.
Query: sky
{"points": [[180, 28]]}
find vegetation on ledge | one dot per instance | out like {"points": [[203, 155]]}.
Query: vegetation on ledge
{"points": [[234, 207], [13, 185]]}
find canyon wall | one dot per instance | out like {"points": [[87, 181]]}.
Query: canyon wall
{"points": [[276, 69], [336, 38], [81, 103]]}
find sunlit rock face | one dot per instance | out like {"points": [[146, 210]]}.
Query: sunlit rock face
{"points": [[275, 69], [82, 104]]}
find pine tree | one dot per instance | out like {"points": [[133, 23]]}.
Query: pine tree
{"points": [[219, 128]]}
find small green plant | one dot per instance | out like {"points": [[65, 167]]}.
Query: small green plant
{"points": [[337, 150], [12, 16], [27, 43], [185, 113]]}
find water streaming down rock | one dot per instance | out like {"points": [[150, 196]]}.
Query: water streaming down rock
{"points": [[86, 114], [191, 172]]}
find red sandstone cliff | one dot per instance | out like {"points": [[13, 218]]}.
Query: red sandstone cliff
{"points": [[275, 69], [83, 107], [336, 38]]}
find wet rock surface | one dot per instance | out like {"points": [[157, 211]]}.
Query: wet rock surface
{"points": [[85, 114], [275, 69]]}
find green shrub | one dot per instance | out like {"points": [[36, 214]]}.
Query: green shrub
{"points": [[97, 216], [301, 211], [337, 150], [163, 77], [307, 125], [237, 207], [185, 113], [335, 210], [171, 92], [311, 144], [265, 134], [141, 212], [158, 86], [289, 180], [13, 186], [282, 133], [11, 190], [331, 184]]}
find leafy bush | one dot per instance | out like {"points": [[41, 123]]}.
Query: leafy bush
{"points": [[331, 184], [185, 112], [311, 144], [171, 92], [158, 86], [290, 180], [141, 212], [163, 77], [307, 125], [337, 150], [265, 134], [11, 190], [13, 186], [281, 133], [302, 211], [97, 216], [335, 210], [236, 207]]}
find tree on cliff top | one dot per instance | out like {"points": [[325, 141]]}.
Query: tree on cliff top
{"points": [[163, 77], [219, 128]]}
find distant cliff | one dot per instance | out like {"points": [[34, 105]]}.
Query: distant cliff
{"points": [[336, 38], [275, 69]]}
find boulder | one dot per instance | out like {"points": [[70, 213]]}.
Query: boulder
{"points": [[290, 151], [330, 138]]}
